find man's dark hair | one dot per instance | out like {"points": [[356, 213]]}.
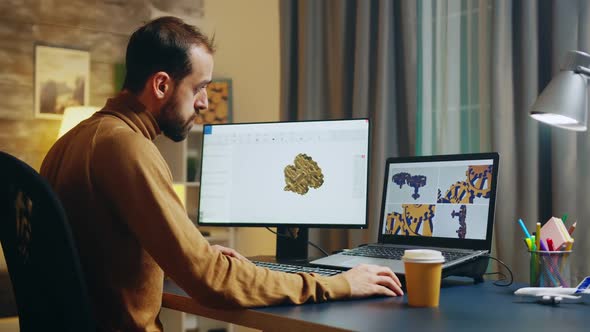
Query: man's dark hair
{"points": [[162, 45]]}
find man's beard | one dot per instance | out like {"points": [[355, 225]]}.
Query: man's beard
{"points": [[172, 124]]}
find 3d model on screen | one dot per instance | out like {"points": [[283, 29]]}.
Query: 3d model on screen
{"points": [[414, 181], [477, 184], [462, 214], [305, 173], [416, 219]]}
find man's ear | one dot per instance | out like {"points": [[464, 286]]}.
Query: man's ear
{"points": [[161, 84]]}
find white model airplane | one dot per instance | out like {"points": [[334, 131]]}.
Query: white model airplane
{"points": [[554, 295]]}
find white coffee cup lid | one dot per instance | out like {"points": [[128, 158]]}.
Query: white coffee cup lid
{"points": [[423, 256]]}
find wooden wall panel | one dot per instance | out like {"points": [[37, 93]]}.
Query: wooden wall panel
{"points": [[16, 103], [29, 139], [102, 83], [101, 27], [20, 10]]}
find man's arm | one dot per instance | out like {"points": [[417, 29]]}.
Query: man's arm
{"points": [[133, 174], [368, 280], [229, 252], [365, 280]]}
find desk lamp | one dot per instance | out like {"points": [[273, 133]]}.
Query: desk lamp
{"points": [[564, 102], [74, 115]]}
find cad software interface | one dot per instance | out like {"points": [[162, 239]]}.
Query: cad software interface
{"points": [[446, 199], [309, 172]]}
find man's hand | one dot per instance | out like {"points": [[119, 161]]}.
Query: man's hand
{"points": [[229, 252], [367, 280]]}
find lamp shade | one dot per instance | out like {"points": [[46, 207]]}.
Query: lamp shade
{"points": [[74, 115], [564, 102]]}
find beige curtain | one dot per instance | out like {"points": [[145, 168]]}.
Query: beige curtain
{"points": [[348, 59], [446, 76], [570, 152], [543, 170]]}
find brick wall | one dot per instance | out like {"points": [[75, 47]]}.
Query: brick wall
{"points": [[102, 27]]}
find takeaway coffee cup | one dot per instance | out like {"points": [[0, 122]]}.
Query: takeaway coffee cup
{"points": [[423, 268]]}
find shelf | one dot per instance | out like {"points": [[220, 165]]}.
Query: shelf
{"points": [[213, 239], [222, 236]]}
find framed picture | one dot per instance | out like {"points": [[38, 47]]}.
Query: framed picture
{"points": [[219, 93], [62, 78]]}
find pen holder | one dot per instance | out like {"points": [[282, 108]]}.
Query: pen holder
{"points": [[550, 268]]}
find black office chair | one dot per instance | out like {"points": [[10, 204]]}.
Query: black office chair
{"points": [[42, 260]]}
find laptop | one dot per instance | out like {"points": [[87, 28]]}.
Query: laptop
{"points": [[443, 202]]}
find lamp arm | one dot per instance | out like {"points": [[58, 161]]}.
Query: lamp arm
{"points": [[582, 70]]}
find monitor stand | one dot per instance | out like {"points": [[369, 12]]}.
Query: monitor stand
{"points": [[292, 243]]}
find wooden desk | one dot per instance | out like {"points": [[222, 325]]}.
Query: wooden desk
{"points": [[463, 306]]}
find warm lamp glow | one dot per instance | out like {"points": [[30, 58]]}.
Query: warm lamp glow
{"points": [[74, 115], [180, 190], [558, 121]]}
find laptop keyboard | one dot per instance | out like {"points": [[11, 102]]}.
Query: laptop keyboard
{"points": [[396, 253], [292, 268]]}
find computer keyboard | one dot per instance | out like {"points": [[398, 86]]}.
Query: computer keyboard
{"points": [[377, 252], [293, 268], [396, 253]]}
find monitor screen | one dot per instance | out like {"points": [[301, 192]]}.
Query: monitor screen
{"points": [[304, 173]]}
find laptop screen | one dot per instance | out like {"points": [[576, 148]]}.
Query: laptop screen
{"points": [[446, 201]]}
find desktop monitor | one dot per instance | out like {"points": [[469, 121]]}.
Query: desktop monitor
{"points": [[285, 174]]}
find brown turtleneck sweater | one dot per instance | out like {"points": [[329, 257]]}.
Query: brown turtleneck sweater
{"points": [[130, 228]]}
